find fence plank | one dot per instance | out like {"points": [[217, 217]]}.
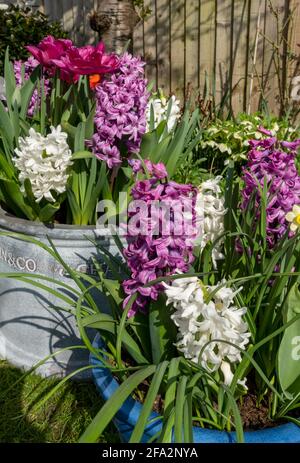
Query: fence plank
{"points": [[239, 55], [207, 45], [69, 17], [79, 27], [163, 45], [177, 44], [51, 9], [192, 72], [271, 37], [223, 51], [89, 35], [294, 41], [150, 52], [256, 53], [138, 39]]}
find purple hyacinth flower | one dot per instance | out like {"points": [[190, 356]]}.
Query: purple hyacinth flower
{"points": [[121, 103], [155, 250], [269, 162]]}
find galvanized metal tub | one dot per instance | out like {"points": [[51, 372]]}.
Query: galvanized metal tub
{"points": [[31, 326]]}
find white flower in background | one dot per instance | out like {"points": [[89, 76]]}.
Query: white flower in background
{"points": [[200, 321], [158, 108], [163, 110], [174, 113], [210, 212], [2, 89], [294, 217], [45, 162]]}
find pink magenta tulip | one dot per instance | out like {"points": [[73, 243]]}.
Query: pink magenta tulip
{"points": [[72, 61], [49, 49], [87, 60]]}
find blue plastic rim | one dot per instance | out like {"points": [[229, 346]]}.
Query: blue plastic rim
{"points": [[129, 413]]}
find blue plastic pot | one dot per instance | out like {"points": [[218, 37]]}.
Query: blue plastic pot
{"points": [[128, 414]]}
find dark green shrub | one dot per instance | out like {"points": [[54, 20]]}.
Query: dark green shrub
{"points": [[20, 26]]}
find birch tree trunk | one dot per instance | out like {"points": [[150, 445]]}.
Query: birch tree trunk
{"points": [[115, 21]]}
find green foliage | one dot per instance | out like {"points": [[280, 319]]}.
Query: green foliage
{"points": [[162, 331], [18, 26], [191, 171], [173, 148], [229, 139], [143, 11]]}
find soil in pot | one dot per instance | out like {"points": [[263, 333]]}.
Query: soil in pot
{"points": [[254, 413]]}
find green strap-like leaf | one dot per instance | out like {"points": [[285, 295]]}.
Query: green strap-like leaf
{"points": [[179, 407], [104, 322], [82, 155], [6, 127], [113, 404], [163, 331], [169, 403], [10, 80], [148, 404], [15, 199], [27, 91]]}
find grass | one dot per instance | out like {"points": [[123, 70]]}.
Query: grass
{"points": [[61, 419]]}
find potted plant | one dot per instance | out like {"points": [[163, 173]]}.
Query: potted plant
{"points": [[202, 341], [70, 119]]}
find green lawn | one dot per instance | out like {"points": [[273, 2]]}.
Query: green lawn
{"points": [[61, 419]]}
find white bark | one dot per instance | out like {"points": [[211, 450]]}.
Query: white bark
{"points": [[115, 21]]}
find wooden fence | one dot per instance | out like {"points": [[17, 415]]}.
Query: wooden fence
{"points": [[237, 50]]}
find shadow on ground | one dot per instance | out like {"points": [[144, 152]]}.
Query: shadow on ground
{"points": [[25, 417]]}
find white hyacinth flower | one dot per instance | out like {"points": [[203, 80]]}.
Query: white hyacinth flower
{"points": [[210, 210], [160, 108], [201, 321], [45, 162], [174, 112]]}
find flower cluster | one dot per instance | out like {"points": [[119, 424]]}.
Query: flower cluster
{"points": [[23, 71], [45, 162], [204, 320], [230, 139], [210, 216], [121, 111], [73, 62], [163, 110], [163, 242], [272, 162]]}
